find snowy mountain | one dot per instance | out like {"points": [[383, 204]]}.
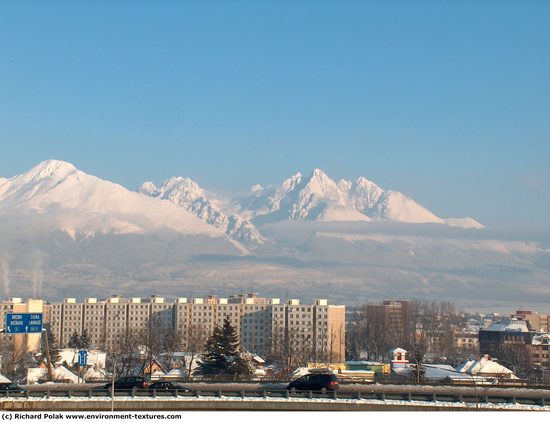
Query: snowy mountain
{"points": [[66, 232], [187, 194], [81, 205], [319, 198]]}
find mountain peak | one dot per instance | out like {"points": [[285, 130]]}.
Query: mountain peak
{"points": [[49, 168], [363, 181], [187, 194], [317, 173]]}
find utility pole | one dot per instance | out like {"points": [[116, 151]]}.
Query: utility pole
{"points": [[419, 369], [50, 372], [113, 384]]}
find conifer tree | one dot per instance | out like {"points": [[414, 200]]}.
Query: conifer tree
{"points": [[212, 361], [223, 355], [84, 340], [74, 341], [229, 339], [241, 367]]}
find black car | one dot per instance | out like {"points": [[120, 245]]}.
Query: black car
{"points": [[315, 382], [166, 385], [11, 387], [128, 383]]}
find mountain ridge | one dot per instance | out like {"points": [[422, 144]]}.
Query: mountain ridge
{"points": [[179, 203], [317, 197], [83, 205]]}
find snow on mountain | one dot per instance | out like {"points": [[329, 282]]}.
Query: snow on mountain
{"points": [[466, 222], [363, 194], [395, 206], [81, 204], [187, 194], [319, 198]]}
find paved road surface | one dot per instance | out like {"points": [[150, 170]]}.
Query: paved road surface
{"points": [[363, 388]]}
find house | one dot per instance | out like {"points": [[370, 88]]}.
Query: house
{"points": [[401, 370], [4, 380], [60, 374], [432, 373], [398, 358], [69, 356], [149, 367], [94, 374], [486, 368]]}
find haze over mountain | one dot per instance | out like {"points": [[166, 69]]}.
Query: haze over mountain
{"points": [[59, 220], [65, 232]]}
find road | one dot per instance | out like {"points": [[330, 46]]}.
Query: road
{"points": [[344, 388]]}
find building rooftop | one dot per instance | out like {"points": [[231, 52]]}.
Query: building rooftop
{"points": [[541, 339], [510, 325], [484, 366]]}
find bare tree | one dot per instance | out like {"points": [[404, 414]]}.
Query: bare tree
{"points": [[15, 362], [276, 342], [197, 335], [323, 345], [334, 344], [151, 340], [172, 342], [515, 357], [122, 352], [434, 327]]}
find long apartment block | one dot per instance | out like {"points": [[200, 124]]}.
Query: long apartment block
{"points": [[263, 324]]}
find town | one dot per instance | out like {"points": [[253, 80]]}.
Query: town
{"points": [[170, 340]]}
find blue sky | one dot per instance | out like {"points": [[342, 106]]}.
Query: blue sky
{"points": [[448, 102]]}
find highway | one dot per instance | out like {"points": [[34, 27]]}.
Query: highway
{"points": [[344, 388], [274, 396]]}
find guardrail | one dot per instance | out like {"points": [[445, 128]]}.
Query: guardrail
{"points": [[446, 397]]}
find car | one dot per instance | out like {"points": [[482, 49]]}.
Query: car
{"points": [[166, 385], [128, 383], [11, 387], [315, 382]]}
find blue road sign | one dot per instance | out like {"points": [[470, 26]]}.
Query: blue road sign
{"points": [[82, 357], [23, 323]]}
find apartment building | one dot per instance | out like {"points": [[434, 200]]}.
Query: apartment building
{"points": [[161, 313], [116, 322], [139, 313], [539, 351], [72, 317], [537, 322], [264, 325], [7, 307], [202, 314], [466, 341], [393, 318], [94, 320], [507, 333], [182, 314], [330, 330]]}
